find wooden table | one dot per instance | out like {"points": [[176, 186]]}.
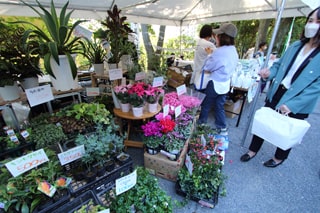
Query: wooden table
{"points": [[129, 117]]}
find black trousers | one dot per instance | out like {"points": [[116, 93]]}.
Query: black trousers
{"points": [[257, 142]]}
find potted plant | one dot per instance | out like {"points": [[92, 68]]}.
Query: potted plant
{"points": [[137, 97], [95, 53], [9, 38], [123, 96], [152, 95], [58, 47], [117, 34]]}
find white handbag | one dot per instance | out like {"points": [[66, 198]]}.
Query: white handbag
{"points": [[201, 80], [280, 130]]}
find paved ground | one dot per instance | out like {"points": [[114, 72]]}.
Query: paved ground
{"points": [[292, 187]]}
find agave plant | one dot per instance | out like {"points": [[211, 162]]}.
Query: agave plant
{"points": [[59, 40]]}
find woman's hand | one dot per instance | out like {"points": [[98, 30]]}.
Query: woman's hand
{"points": [[264, 73], [208, 50], [284, 109]]}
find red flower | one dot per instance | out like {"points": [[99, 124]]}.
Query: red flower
{"points": [[167, 125]]}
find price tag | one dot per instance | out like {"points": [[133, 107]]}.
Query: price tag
{"points": [[115, 74], [140, 76], [14, 138], [93, 91], [181, 89], [189, 164], [25, 134], [71, 155], [166, 110], [26, 162], [39, 95], [177, 111], [10, 132], [157, 82], [203, 140], [125, 183], [123, 81]]}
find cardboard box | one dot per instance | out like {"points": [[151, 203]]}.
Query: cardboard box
{"points": [[161, 166], [232, 108]]}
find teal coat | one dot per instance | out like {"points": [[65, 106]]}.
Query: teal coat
{"points": [[303, 94]]}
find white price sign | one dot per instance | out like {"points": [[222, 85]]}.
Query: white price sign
{"points": [[71, 155], [125, 183], [140, 76], [166, 110], [115, 74], [93, 91], [26, 162], [157, 82], [39, 95], [181, 89], [177, 111]]}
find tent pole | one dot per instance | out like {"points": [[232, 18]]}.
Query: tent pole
{"points": [[255, 99]]}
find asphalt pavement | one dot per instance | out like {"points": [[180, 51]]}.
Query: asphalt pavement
{"points": [[292, 187]]}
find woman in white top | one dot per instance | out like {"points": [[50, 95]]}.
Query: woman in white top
{"points": [[202, 47]]}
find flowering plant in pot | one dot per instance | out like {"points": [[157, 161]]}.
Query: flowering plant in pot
{"points": [[152, 94], [122, 93], [187, 102], [137, 94]]}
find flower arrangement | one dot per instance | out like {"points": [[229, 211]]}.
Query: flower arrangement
{"points": [[122, 93], [137, 94], [152, 94]]}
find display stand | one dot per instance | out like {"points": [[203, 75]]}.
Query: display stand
{"points": [[128, 116]]}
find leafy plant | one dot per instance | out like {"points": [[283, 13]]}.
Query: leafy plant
{"points": [[94, 51], [117, 34], [145, 196], [47, 134], [59, 41], [90, 208]]}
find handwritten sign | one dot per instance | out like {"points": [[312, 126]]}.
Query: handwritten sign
{"points": [[93, 91], [125, 183], [166, 110], [140, 76], [177, 111], [71, 155], [157, 82], [26, 162], [181, 89], [115, 74], [39, 95]]}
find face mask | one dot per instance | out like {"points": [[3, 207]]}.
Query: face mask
{"points": [[311, 29]]}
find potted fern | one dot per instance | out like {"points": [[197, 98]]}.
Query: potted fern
{"points": [[58, 48]]}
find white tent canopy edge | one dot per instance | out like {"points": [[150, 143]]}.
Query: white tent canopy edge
{"points": [[168, 12]]}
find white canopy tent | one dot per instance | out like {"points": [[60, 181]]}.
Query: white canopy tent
{"points": [[168, 12]]}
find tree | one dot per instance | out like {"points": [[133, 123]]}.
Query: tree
{"points": [[153, 56]]}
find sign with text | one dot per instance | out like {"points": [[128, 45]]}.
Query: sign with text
{"points": [[39, 95], [140, 76], [181, 89], [157, 82], [93, 91], [189, 164], [166, 110], [115, 74], [177, 111], [26, 162], [125, 183], [71, 155]]}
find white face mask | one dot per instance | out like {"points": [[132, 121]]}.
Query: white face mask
{"points": [[311, 29]]}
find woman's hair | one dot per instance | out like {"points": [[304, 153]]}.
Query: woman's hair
{"points": [[206, 31], [317, 36], [225, 40]]}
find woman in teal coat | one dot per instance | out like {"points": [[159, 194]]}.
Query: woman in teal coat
{"points": [[295, 83]]}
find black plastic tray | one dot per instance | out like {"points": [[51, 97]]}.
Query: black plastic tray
{"points": [[204, 202], [78, 187], [56, 203], [78, 202]]}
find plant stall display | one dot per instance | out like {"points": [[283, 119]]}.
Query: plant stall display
{"points": [[56, 47], [145, 196], [37, 190], [201, 179]]}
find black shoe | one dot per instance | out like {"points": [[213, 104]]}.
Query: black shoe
{"points": [[271, 163], [246, 157]]}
